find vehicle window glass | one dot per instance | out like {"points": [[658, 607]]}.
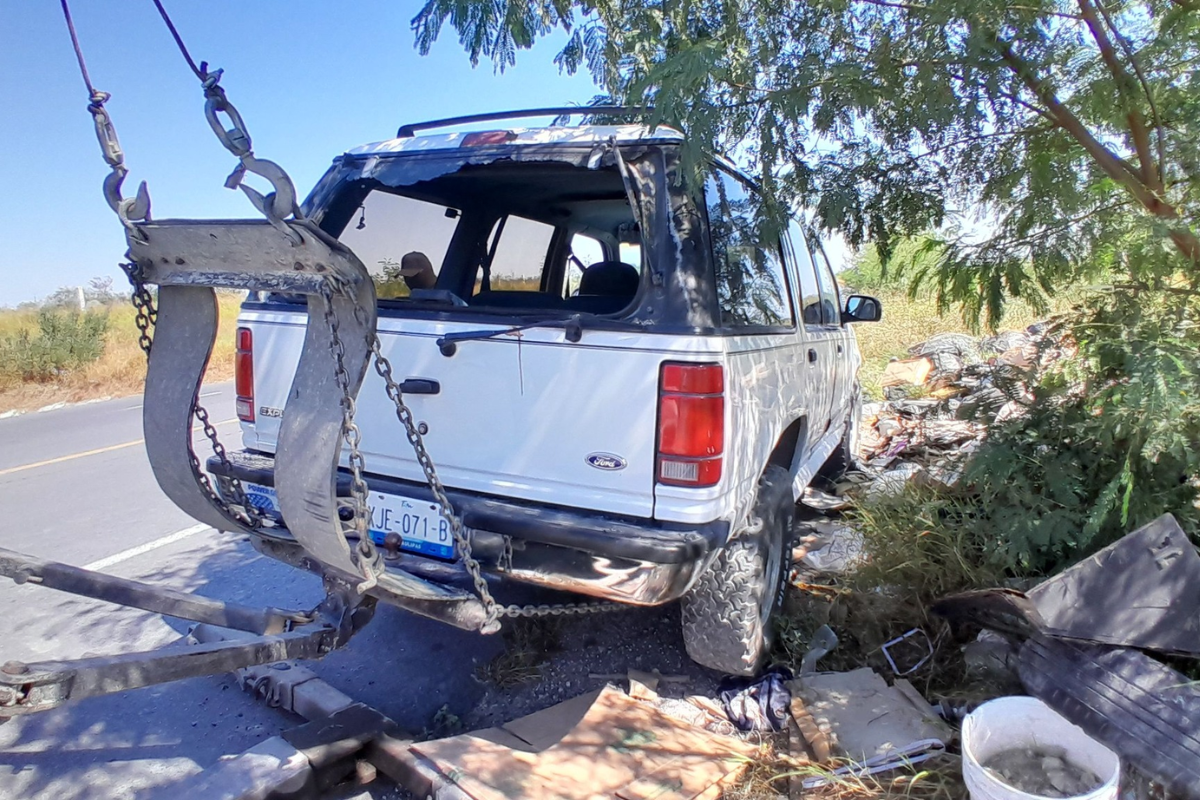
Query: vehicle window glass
{"points": [[586, 251], [630, 254], [389, 227], [810, 291], [751, 286], [830, 303], [519, 255]]}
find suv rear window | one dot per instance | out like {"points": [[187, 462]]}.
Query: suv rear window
{"points": [[371, 234], [501, 237]]}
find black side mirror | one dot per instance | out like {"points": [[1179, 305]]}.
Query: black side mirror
{"points": [[862, 308]]}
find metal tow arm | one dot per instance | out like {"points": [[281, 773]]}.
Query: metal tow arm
{"points": [[282, 635]]}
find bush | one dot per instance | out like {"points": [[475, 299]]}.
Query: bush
{"points": [[1108, 440], [64, 340]]}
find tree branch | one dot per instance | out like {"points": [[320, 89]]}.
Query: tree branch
{"points": [[1123, 80], [1181, 235], [1137, 69]]}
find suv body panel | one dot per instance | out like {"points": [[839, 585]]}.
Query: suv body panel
{"points": [[517, 416]]}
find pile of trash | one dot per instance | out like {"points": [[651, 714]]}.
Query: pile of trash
{"points": [[940, 400]]}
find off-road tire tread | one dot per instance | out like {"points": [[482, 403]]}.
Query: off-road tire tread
{"points": [[722, 621]]}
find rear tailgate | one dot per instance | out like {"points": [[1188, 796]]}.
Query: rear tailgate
{"points": [[533, 417]]}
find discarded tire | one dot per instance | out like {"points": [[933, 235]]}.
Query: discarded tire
{"points": [[726, 616]]}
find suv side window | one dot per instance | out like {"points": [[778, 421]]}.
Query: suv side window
{"points": [[830, 302], [751, 286], [810, 290]]}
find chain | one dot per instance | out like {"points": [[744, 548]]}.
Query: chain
{"points": [[462, 541], [366, 556], [145, 320]]}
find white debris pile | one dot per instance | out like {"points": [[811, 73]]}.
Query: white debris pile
{"points": [[940, 401]]}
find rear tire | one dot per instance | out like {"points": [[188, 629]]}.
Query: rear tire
{"points": [[727, 615]]}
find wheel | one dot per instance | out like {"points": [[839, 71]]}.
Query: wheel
{"points": [[726, 616], [842, 458]]}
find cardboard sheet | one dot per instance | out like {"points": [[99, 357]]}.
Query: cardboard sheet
{"points": [[620, 748]]}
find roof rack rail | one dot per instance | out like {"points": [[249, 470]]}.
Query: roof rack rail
{"points": [[563, 111]]}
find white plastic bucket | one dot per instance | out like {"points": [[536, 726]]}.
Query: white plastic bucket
{"points": [[1011, 722]]}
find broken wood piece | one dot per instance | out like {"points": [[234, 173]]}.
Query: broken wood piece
{"points": [[819, 745], [907, 371]]}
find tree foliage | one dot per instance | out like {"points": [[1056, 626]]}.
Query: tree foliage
{"points": [[1045, 140]]}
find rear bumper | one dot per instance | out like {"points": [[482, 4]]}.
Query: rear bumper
{"points": [[638, 561]]}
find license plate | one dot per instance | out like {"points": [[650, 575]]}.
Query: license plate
{"points": [[417, 522]]}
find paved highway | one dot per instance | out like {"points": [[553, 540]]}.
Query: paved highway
{"points": [[75, 487]]}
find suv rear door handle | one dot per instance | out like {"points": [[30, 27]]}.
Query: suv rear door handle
{"points": [[812, 356], [420, 386]]}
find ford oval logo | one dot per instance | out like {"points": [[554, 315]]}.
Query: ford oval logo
{"points": [[606, 461]]}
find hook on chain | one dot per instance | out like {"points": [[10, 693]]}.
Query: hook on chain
{"points": [[129, 210], [279, 204]]}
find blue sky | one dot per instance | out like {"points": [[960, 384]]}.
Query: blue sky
{"points": [[311, 79]]}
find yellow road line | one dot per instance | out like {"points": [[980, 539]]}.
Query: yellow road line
{"points": [[85, 453]]}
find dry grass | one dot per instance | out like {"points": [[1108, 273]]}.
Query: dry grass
{"points": [[120, 371]]}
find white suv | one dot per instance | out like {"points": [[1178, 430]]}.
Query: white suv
{"points": [[624, 385]]}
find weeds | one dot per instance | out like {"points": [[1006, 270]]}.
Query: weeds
{"points": [[527, 645]]}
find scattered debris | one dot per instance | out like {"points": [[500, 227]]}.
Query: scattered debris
{"points": [[823, 642], [1142, 591], [1144, 710], [855, 721], [939, 402], [600, 744], [833, 547], [757, 704], [1076, 633]]}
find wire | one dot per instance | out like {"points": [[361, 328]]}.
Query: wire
{"points": [[202, 70], [87, 79]]}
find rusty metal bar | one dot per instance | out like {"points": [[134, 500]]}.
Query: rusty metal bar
{"points": [[29, 688], [155, 599]]}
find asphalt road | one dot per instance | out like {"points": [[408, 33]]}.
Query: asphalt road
{"points": [[75, 487]]}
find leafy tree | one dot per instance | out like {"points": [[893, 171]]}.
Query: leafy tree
{"points": [[1043, 139]]}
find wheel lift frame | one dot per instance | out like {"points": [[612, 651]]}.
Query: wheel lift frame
{"points": [[187, 259]]}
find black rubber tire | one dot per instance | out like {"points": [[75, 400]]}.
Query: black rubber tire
{"points": [[842, 458], [726, 615]]}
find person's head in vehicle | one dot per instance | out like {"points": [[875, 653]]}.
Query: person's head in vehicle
{"points": [[417, 271]]}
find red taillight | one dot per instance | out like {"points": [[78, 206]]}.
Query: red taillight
{"points": [[243, 375], [691, 424]]}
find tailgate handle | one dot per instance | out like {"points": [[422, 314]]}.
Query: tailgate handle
{"points": [[420, 386]]}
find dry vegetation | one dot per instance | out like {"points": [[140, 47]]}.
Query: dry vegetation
{"points": [[119, 371]]}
